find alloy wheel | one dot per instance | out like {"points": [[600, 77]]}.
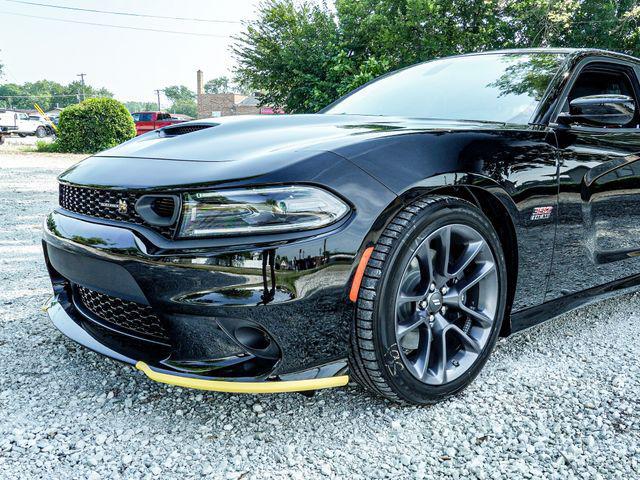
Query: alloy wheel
{"points": [[446, 304]]}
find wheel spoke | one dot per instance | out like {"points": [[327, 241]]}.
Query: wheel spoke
{"points": [[484, 269], [421, 364], [440, 342], [469, 342], [445, 239], [403, 299], [425, 259], [451, 299], [403, 328], [481, 318], [410, 280], [469, 255]]}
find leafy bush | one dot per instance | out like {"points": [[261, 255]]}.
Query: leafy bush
{"points": [[93, 125], [47, 147]]}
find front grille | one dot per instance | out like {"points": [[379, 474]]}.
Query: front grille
{"points": [[123, 314], [104, 204]]}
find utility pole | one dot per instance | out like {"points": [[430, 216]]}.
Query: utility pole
{"points": [[81, 75], [158, 94]]}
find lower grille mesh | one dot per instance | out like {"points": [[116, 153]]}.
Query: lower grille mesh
{"points": [[124, 314]]}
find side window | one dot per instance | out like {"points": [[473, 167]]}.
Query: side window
{"points": [[603, 79], [163, 116]]}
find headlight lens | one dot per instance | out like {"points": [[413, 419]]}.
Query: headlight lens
{"points": [[258, 210]]}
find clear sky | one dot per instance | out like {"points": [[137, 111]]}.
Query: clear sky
{"points": [[129, 63]]}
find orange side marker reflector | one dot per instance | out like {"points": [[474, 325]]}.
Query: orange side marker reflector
{"points": [[357, 278]]}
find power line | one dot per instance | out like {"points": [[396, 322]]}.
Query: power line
{"points": [[157, 30], [128, 14]]}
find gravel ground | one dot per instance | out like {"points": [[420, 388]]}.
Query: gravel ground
{"points": [[559, 401]]}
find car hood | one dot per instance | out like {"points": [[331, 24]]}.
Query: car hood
{"points": [[265, 148], [242, 138]]}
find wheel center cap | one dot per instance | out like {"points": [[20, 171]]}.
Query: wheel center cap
{"points": [[434, 302]]}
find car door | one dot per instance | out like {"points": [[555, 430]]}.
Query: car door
{"points": [[162, 120], [145, 123], [598, 229], [23, 123]]}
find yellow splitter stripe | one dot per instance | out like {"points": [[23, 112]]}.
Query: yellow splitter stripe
{"points": [[243, 387]]}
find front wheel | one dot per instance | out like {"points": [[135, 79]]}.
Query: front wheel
{"points": [[431, 303]]}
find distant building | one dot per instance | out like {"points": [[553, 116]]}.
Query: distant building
{"points": [[224, 104]]}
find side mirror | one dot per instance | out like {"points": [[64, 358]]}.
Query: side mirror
{"points": [[600, 111]]}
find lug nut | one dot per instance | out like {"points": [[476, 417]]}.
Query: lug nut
{"points": [[431, 318], [432, 287], [444, 290], [444, 309], [422, 305]]}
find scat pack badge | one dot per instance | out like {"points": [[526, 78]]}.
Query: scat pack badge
{"points": [[541, 213]]}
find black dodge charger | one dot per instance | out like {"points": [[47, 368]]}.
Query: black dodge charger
{"points": [[391, 238]]}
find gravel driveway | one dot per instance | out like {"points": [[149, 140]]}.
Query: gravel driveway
{"points": [[559, 401]]}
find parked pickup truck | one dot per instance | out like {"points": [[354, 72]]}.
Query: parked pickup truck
{"points": [[22, 124], [147, 121]]}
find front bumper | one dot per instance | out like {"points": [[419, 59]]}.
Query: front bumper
{"points": [[72, 329], [254, 318]]}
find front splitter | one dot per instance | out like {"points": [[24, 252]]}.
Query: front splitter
{"points": [[63, 322], [267, 386]]}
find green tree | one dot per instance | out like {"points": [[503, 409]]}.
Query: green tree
{"points": [[11, 96], [304, 55], [141, 106], [218, 85], [290, 53], [179, 92], [47, 94], [184, 107], [182, 100]]}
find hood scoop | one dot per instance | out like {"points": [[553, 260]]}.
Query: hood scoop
{"points": [[176, 130]]}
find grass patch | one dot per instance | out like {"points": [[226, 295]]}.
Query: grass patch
{"points": [[47, 147]]}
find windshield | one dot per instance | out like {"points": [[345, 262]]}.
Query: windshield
{"points": [[492, 87], [142, 117]]}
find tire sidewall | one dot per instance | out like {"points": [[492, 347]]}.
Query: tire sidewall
{"points": [[424, 223]]}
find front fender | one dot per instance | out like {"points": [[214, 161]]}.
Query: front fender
{"points": [[517, 167]]}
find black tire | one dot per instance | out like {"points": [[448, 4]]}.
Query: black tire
{"points": [[41, 132], [22, 135], [374, 360]]}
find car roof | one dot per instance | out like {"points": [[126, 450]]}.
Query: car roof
{"points": [[559, 51]]}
